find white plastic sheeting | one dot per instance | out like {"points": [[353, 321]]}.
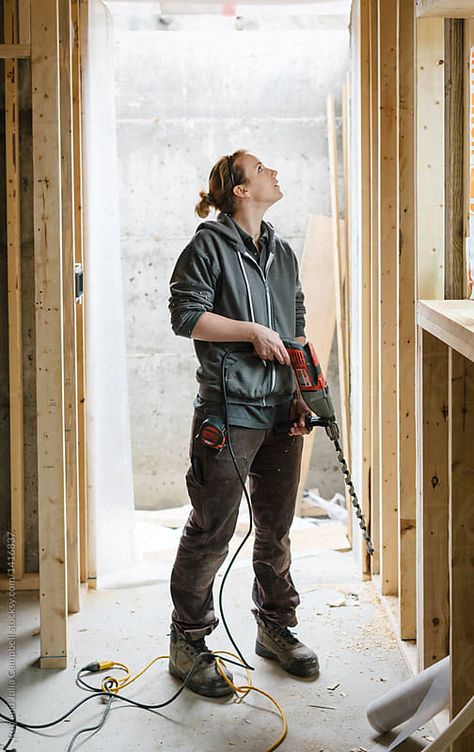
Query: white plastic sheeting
{"points": [[113, 553], [414, 703]]}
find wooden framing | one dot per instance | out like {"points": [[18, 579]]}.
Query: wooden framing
{"points": [[388, 303], [14, 51], [448, 495], [79, 259], [339, 289], [461, 538], [15, 336], [454, 159], [375, 473], [430, 158], [444, 8], [364, 103], [69, 307], [406, 323], [49, 332], [432, 522]]}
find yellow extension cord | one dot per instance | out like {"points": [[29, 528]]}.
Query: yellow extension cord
{"points": [[243, 689]]}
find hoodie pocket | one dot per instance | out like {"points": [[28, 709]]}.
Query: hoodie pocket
{"points": [[247, 377]]}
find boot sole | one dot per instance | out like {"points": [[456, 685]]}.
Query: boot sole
{"points": [[202, 689], [310, 668]]}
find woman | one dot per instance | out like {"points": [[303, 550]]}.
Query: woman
{"points": [[235, 290]]}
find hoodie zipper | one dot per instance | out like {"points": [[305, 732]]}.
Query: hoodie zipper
{"points": [[267, 299]]}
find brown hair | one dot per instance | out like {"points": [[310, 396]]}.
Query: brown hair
{"points": [[225, 174]]}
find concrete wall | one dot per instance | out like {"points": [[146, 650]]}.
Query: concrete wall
{"points": [[184, 99]]}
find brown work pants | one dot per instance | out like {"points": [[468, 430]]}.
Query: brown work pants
{"points": [[272, 464]]}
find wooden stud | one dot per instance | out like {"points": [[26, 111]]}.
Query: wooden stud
{"points": [[80, 307], [430, 157], [14, 51], [432, 509], [454, 159], [468, 44], [338, 255], [375, 471], [347, 269], [444, 8], [29, 581], [49, 333], [15, 337], [388, 311], [461, 543], [316, 259], [24, 21], [69, 307], [407, 324]]}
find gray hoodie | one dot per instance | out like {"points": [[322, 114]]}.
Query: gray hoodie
{"points": [[215, 272]]}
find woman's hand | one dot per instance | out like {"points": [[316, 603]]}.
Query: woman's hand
{"points": [[267, 345], [298, 412]]}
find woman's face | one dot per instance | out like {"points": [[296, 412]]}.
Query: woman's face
{"points": [[262, 184]]}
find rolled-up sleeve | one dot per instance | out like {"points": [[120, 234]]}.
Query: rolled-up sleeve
{"points": [[300, 310], [192, 287]]}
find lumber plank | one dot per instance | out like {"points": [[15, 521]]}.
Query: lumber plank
{"points": [[80, 306], [29, 581], [24, 25], [430, 157], [407, 325], [444, 8], [14, 51], [317, 269], [452, 321], [432, 511], [49, 333], [461, 543], [15, 337], [338, 254], [364, 311], [69, 308], [454, 159], [375, 468], [388, 269]]}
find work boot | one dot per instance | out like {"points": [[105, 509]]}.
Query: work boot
{"points": [[205, 679], [278, 643]]}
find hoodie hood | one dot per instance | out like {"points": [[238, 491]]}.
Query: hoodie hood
{"points": [[225, 227]]}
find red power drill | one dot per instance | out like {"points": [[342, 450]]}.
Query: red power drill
{"points": [[315, 392]]}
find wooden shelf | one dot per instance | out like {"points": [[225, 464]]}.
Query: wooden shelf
{"points": [[451, 321]]}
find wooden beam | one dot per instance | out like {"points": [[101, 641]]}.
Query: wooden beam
{"points": [[15, 336], [364, 156], [430, 157], [80, 306], [24, 21], [461, 543], [388, 312], [468, 145], [29, 581], [375, 496], [454, 159], [14, 50], [317, 255], [338, 254], [444, 8], [452, 321], [69, 307], [407, 324], [49, 333], [346, 131], [432, 519]]}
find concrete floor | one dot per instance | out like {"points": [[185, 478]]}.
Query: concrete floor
{"points": [[358, 653]]}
